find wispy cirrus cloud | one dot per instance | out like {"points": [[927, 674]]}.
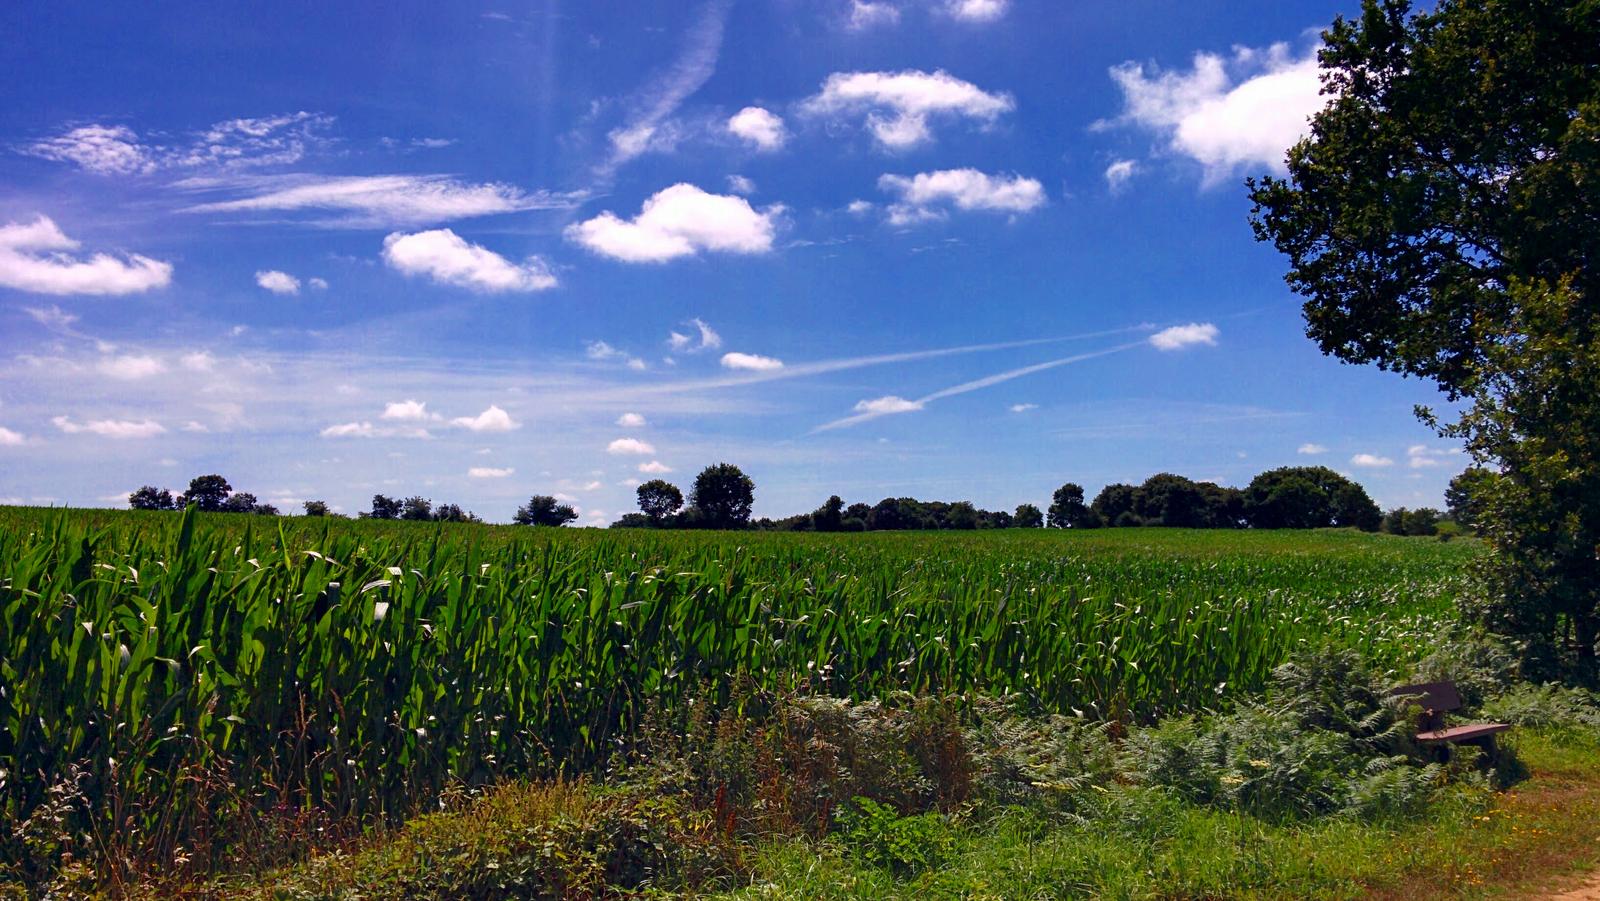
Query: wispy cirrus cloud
{"points": [[651, 108], [118, 150], [370, 201], [893, 404]]}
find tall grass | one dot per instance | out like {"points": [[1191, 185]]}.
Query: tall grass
{"points": [[357, 670]]}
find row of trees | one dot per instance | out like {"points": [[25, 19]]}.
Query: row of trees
{"points": [[1301, 497], [210, 493], [415, 509]]}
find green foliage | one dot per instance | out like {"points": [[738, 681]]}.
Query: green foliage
{"points": [[722, 496], [1469, 494], [1307, 497], [1028, 517], [204, 671], [659, 500], [903, 844], [544, 510]]}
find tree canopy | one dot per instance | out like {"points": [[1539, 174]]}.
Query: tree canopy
{"points": [[722, 496]]}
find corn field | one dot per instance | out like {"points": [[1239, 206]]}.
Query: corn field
{"points": [[360, 669]]}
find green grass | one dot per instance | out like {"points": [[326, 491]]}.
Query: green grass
{"points": [[186, 675]]}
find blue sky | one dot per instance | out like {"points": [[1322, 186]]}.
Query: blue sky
{"points": [[954, 249]]}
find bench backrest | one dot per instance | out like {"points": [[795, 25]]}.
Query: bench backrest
{"points": [[1435, 698]]}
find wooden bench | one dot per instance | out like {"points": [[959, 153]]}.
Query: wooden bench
{"points": [[1438, 699]]}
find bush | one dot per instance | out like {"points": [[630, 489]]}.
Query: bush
{"points": [[905, 845]]}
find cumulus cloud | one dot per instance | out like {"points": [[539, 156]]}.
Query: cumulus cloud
{"points": [[408, 411], [34, 257], [317, 284], [130, 367], [738, 184], [9, 438], [1119, 173], [889, 403], [278, 282], [679, 221], [489, 472], [448, 259], [708, 338], [750, 361], [111, 428], [374, 201], [1181, 336], [977, 10], [198, 361], [759, 127], [655, 468], [631, 421], [898, 106], [923, 195], [866, 14], [1311, 449], [1225, 114], [633, 446], [493, 419], [1370, 461]]}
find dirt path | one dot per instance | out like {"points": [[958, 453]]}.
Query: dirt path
{"points": [[1588, 891]]}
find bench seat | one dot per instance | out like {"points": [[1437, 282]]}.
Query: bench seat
{"points": [[1462, 733]]}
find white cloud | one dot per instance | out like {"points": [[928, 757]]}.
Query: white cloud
{"points": [[631, 421], [600, 350], [655, 468], [317, 284], [1023, 408], [1181, 336], [709, 339], [111, 428], [192, 426], [759, 127], [889, 403], [408, 411], [966, 189], [119, 150], [489, 472], [1311, 449], [667, 90], [977, 10], [1225, 114], [51, 317], [679, 221], [101, 149], [198, 361], [1119, 173], [866, 14], [375, 201], [9, 438], [750, 361], [738, 184], [131, 366], [1421, 456], [859, 207], [1370, 461], [448, 259], [278, 282], [899, 105], [33, 257], [633, 446], [365, 429], [493, 419]]}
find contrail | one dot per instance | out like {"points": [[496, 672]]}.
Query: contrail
{"points": [[977, 384], [822, 367]]}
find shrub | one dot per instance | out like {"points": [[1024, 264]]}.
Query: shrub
{"points": [[905, 845]]}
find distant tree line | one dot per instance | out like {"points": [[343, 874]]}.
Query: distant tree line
{"points": [[210, 493], [722, 495], [1295, 497]]}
